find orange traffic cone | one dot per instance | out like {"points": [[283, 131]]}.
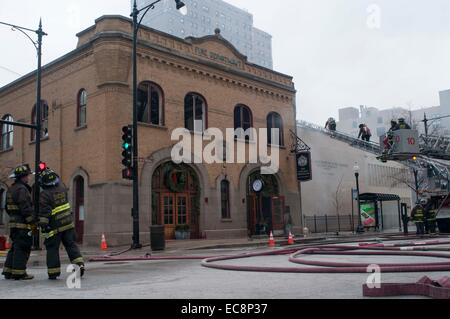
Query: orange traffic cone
{"points": [[291, 239], [271, 240], [104, 245], [7, 243]]}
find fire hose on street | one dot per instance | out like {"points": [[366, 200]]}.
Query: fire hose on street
{"points": [[298, 254], [425, 286]]}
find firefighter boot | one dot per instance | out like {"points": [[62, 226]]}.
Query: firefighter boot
{"points": [[7, 275], [81, 265], [23, 277]]}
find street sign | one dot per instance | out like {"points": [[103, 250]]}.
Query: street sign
{"points": [[355, 194], [304, 166]]}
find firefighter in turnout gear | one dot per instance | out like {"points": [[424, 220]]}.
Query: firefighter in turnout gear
{"points": [[418, 216], [402, 125], [430, 221], [19, 207], [57, 224]]}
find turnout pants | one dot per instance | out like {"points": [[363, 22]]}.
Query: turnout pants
{"points": [[420, 228], [18, 255], [52, 244]]}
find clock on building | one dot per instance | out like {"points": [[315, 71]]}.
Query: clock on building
{"points": [[258, 185]]}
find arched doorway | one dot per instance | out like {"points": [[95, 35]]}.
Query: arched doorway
{"points": [[265, 205], [176, 198], [78, 184]]}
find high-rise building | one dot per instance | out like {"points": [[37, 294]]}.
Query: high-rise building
{"points": [[379, 120], [204, 16]]}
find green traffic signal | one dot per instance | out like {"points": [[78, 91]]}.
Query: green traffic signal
{"points": [[127, 154]]}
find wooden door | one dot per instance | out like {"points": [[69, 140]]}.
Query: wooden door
{"points": [[79, 209], [278, 213], [251, 215], [168, 214], [182, 211], [174, 211]]}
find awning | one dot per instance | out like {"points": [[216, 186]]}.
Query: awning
{"points": [[379, 197]]}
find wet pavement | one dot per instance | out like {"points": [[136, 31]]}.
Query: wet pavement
{"points": [[187, 279]]}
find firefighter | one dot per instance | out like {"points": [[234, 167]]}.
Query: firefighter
{"points": [[430, 221], [402, 125], [364, 133], [394, 126], [331, 124], [418, 216], [19, 207], [56, 222]]}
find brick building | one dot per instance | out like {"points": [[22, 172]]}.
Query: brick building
{"points": [[87, 97]]}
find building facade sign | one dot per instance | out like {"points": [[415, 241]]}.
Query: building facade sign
{"points": [[217, 57], [304, 167]]}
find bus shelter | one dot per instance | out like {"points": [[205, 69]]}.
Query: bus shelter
{"points": [[373, 212]]}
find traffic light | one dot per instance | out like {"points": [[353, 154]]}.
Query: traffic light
{"points": [[42, 167], [127, 152]]}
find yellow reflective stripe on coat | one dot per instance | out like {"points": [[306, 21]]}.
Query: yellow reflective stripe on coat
{"points": [[19, 226], [63, 215], [59, 230], [60, 209], [12, 207], [44, 220], [29, 219]]}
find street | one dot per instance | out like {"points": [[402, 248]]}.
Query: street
{"points": [[189, 280]]}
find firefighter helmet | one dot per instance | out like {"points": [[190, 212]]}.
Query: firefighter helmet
{"points": [[48, 178], [21, 171]]}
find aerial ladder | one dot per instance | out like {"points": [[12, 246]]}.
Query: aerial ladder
{"points": [[428, 156]]}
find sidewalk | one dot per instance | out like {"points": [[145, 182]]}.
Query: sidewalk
{"points": [[182, 247]]}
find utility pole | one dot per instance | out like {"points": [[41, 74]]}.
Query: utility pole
{"points": [[38, 125], [136, 25]]}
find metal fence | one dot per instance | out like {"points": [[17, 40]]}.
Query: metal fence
{"points": [[329, 224]]}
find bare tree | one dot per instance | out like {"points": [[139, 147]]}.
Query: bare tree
{"points": [[407, 179], [337, 200]]}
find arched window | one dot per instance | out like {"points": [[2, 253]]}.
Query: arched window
{"points": [[225, 199], [150, 103], [274, 121], [44, 120], [81, 108], [195, 113], [243, 119], [7, 138]]}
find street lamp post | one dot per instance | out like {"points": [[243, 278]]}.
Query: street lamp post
{"points": [[360, 228], [416, 183], [136, 25], [38, 125]]}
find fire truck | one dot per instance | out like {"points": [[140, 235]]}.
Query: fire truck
{"points": [[426, 155], [429, 159]]}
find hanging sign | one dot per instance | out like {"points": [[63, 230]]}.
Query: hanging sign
{"points": [[304, 167]]}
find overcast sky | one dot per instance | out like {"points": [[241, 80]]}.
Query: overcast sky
{"points": [[379, 53]]}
